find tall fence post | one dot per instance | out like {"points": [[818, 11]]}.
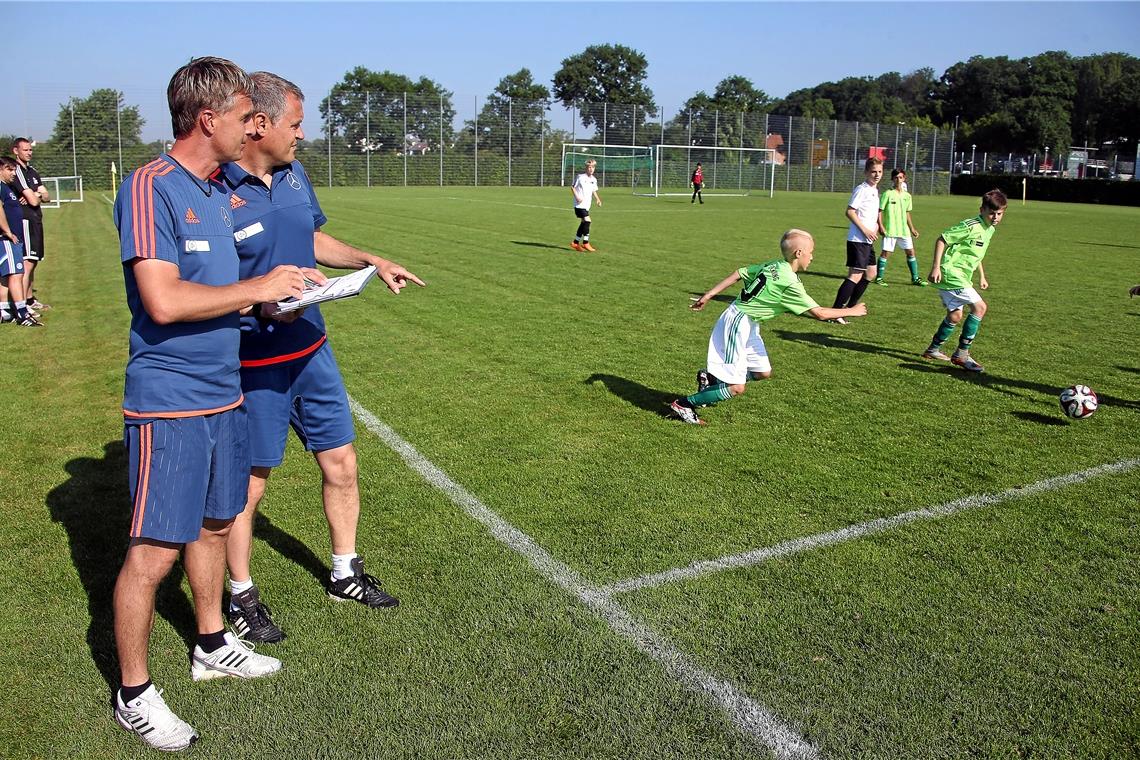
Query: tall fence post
{"points": [[605, 141], [368, 138], [788, 159], [811, 157], [119, 132], [855, 155], [328, 140], [405, 138], [831, 154], [510, 130], [542, 149], [74, 159], [441, 140], [933, 155], [476, 141]]}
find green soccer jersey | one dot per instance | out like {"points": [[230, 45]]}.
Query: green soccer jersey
{"points": [[966, 246], [895, 204], [770, 289]]}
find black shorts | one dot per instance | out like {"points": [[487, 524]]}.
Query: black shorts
{"points": [[860, 255], [33, 239], [697, 186], [581, 213]]}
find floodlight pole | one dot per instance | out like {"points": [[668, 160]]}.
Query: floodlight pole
{"points": [[74, 161], [367, 138]]}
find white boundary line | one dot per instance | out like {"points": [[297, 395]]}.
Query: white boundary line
{"points": [[748, 716], [870, 528]]}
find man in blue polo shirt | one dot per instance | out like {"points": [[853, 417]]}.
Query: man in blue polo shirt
{"points": [[12, 251], [289, 374], [185, 427]]}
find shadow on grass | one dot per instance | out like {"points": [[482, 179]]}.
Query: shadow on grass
{"points": [[649, 399], [1133, 370], [833, 340], [1041, 419], [289, 547], [532, 244], [1010, 385], [1106, 245], [824, 275], [93, 506]]}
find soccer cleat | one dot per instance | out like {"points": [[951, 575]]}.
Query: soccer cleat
{"points": [[574, 244], [7, 318], [150, 718], [252, 620], [29, 321], [880, 281], [686, 414], [838, 321], [38, 305], [361, 587], [934, 353], [234, 660], [965, 361], [704, 380], [919, 282], [587, 247]]}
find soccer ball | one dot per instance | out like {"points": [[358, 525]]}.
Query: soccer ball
{"points": [[1078, 401]]}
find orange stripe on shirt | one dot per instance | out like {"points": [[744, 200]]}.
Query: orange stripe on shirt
{"points": [[181, 415], [142, 197], [138, 208], [285, 357]]}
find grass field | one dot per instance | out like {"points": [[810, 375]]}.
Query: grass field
{"points": [[526, 498]]}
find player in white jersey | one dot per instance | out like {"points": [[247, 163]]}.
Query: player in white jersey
{"points": [[585, 190], [863, 214]]}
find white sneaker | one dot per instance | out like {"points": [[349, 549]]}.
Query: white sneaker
{"points": [[236, 659], [150, 718], [839, 321]]}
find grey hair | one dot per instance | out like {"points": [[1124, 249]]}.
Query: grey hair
{"points": [[270, 92], [205, 83]]}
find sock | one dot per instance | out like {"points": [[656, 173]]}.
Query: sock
{"points": [[5, 310], [857, 293], [844, 294], [237, 587], [586, 231], [943, 333], [969, 332], [211, 642], [882, 268], [912, 265], [21, 309], [342, 566], [130, 693], [714, 394]]}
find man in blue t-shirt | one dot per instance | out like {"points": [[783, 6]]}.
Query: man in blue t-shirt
{"points": [[185, 427], [12, 252], [288, 372]]}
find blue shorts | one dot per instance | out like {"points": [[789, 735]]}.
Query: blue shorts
{"points": [[185, 470], [11, 258], [307, 394]]}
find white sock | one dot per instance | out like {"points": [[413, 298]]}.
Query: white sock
{"points": [[237, 587], [342, 565]]}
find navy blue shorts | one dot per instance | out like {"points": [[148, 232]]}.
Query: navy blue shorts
{"points": [[860, 255], [11, 258], [185, 470], [308, 395]]}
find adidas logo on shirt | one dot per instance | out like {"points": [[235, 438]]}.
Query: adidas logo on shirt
{"points": [[236, 202], [191, 217]]}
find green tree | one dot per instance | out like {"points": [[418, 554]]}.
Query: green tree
{"points": [[101, 122], [518, 103], [602, 76], [366, 111]]}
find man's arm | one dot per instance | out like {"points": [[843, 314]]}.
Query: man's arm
{"points": [[910, 224], [936, 263], [5, 230], [882, 229], [331, 252], [983, 281], [28, 195], [727, 282], [597, 198], [168, 298], [824, 313], [853, 216]]}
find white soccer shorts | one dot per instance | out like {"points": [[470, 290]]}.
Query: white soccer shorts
{"points": [[956, 299], [903, 242], [736, 348]]}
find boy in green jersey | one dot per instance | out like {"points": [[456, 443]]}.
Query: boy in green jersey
{"points": [[957, 253], [736, 351], [897, 228]]}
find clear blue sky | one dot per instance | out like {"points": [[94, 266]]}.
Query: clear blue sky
{"points": [[468, 47]]}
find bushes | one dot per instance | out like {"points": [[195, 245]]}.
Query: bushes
{"points": [[1104, 191]]}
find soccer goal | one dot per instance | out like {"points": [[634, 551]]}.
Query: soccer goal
{"points": [[63, 190], [618, 165], [727, 171]]}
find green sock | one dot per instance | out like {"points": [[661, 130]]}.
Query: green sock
{"points": [[714, 394], [943, 333], [882, 268], [912, 265], [969, 332]]}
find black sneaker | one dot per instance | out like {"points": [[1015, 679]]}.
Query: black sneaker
{"points": [[252, 620], [704, 380], [361, 587], [29, 321]]}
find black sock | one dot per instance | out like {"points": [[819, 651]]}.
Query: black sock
{"points": [[844, 294], [858, 291], [211, 642], [583, 228], [129, 693]]}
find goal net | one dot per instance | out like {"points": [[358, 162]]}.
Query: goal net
{"points": [[63, 190], [727, 171], [617, 165]]}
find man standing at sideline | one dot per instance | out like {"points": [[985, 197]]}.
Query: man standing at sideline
{"points": [[185, 426], [30, 186], [289, 374]]}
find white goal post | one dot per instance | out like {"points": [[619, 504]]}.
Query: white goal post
{"points": [[618, 165], [727, 171], [63, 190]]}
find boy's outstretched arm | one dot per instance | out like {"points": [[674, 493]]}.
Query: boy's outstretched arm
{"points": [[727, 282], [824, 313]]}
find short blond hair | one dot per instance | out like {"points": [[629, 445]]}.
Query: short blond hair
{"points": [[207, 83], [788, 242]]}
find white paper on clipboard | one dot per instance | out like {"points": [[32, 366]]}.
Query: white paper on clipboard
{"points": [[336, 288]]}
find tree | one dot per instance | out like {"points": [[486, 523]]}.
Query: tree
{"points": [[102, 123], [366, 111], [602, 76], [517, 104]]}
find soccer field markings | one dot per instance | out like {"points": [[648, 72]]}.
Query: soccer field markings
{"points": [[534, 205], [748, 716], [869, 528]]}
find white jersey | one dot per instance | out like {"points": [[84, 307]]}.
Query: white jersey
{"points": [[865, 201], [584, 187]]}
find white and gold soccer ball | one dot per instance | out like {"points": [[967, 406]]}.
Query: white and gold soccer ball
{"points": [[1078, 401]]}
